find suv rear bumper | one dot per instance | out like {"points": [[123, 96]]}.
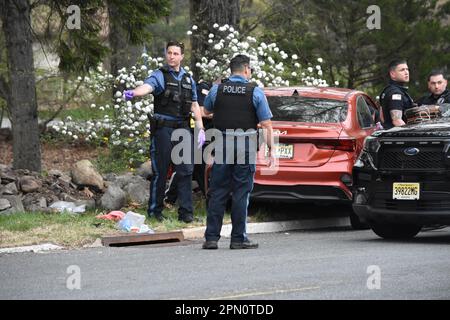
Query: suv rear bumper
{"points": [[368, 213], [373, 200]]}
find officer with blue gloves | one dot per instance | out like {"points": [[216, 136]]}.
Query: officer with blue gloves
{"points": [[199, 168], [235, 104], [175, 98]]}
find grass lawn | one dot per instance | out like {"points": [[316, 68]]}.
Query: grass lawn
{"points": [[75, 231]]}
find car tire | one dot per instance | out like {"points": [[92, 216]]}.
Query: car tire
{"points": [[356, 223], [395, 230]]}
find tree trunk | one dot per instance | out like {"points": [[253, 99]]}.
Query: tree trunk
{"points": [[22, 90], [204, 14], [122, 53]]}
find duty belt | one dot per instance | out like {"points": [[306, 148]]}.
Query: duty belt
{"points": [[158, 123]]}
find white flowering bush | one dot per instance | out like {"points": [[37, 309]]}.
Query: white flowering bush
{"points": [[125, 127], [272, 66]]}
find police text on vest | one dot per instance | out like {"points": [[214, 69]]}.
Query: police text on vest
{"points": [[234, 89]]}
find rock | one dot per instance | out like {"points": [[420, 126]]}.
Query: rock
{"points": [[16, 205], [90, 203], [9, 189], [124, 180], [139, 191], [84, 173], [4, 204], [8, 176], [55, 173], [29, 184], [34, 203], [52, 198], [145, 170], [114, 198], [111, 177], [65, 180], [67, 197]]}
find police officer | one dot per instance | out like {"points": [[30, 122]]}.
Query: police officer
{"points": [[437, 85], [394, 98], [175, 97], [199, 168], [235, 104]]}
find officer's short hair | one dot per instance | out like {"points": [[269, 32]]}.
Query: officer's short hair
{"points": [[175, 44], [239, 62], [394, 63], [436, 72]]}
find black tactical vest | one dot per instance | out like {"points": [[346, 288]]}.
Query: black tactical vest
{"points": [[176, 99], [386, 95], [233, 108]]}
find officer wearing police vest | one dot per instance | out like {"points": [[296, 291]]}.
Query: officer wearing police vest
{"points": [[175, 97], [235, 104], [394, 98], [199, 168]]}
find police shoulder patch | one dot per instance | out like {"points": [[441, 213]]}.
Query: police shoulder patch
{"points": [[205, 92], [397, 97]]}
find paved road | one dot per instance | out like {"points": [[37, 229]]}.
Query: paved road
{"points": [[324, 264]]}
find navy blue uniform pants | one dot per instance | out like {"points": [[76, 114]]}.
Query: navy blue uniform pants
{"points": [[160, 153], [198, 175], [236, 179]]}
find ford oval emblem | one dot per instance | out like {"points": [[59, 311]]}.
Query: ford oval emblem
{"points": [[411, 151]]}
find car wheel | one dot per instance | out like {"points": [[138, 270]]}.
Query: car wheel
{"points": [[395, 230], [356, 223]]}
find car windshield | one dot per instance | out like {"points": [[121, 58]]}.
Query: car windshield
{"points": [[301, 109]]}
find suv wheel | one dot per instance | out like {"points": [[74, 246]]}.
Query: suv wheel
{"points": [[395, 230]]}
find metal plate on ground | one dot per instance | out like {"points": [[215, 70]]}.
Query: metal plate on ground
{"points": [[119, 240]]}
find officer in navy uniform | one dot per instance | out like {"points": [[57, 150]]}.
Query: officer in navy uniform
{"points": [[437, 85], [394, 98], [175, 97], [199, 168], [235, 104]]}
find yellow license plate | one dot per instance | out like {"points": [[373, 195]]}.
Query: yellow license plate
{"points": [[282, 151], [406, 191]]}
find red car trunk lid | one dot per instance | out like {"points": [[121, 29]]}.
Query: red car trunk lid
{"points": [[307, 144]]}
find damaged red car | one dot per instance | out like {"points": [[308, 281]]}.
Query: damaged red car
{"points": [[320, 133]]}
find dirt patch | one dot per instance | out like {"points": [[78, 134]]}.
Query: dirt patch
{"points": [[54, 156]]}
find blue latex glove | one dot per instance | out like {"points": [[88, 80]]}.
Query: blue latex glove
{"points": [[128, 94], [201, 138]]}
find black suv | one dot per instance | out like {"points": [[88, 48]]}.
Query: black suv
{"points": [[402, 178]]}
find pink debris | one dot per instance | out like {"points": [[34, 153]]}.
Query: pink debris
{"points": [[113, 215]]}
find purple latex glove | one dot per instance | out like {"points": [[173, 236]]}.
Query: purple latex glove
{"points": [[201, 138], [128, 94]]}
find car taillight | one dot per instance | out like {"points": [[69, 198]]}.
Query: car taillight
{"points": [[329, 144], [338, 144]]}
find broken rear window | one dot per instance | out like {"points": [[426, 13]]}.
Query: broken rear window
{"points": [[301, 109]]}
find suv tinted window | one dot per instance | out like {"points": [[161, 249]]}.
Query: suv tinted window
{"points": [[365, 118], [301, 109]]}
